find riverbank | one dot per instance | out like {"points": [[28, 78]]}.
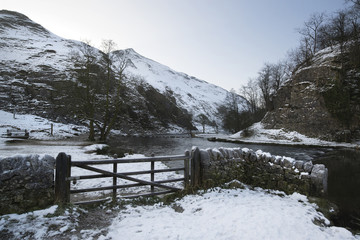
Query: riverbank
{"points": [[210, 214], [257, 134]]}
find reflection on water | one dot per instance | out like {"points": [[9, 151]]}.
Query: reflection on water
{"points": [[344, 184]]}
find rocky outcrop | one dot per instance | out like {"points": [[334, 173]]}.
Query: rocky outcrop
{"points": [[321, 100], [26, 183]]}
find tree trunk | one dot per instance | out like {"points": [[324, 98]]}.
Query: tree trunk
{"points": [[91, 131], [103, 135]]}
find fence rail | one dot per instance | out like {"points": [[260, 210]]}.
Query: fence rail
{"points": [[63, 178]]}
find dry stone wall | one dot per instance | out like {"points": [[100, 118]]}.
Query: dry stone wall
{"points": [[26, 183], [262, 169]]}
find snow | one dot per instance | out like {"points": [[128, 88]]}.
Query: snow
{"points": [[42, 47], [212, 214], [190, 93], [39, 127], [95, 147], [30, 48], [322, 58], [39, 223], [281, 136], [226, 214], [121, 168]]}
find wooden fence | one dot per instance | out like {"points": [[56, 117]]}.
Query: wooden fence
{"points": [[63, 177]]}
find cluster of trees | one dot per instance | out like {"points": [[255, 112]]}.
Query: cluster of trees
{"points": [[101, 94], [234, 117], [320, 31], [96, 95], [162, 105], [258, 93], [205, 121]]}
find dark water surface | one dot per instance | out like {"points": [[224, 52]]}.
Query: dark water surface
{"points": [[344, 184], [343, 165], [170, 146]]}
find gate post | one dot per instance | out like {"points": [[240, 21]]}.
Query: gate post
{"points": [[186, 169], [152, 176], [62, 184], [195, 167]]}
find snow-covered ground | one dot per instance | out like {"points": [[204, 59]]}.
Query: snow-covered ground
{"points": [[78, 149], [226, 214], [258, 134], [40, 128], [214, 214]]}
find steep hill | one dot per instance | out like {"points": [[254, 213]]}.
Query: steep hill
{"points": [[322, 99], [32, 60], [35, 64], [190, 93]]}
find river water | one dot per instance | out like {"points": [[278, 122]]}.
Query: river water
{"points": [[343, 165], [344, 184], [170, 146]]}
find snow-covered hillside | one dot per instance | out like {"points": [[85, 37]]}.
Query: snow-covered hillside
{"points": [[27, 46], [33, 61], [191, 93]]}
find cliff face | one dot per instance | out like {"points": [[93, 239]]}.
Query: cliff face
{"points": [[321, 100]]}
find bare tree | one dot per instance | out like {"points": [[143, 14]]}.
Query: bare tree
{"points": [[265, 84], [86, 63], [204, 120], [110, 104], [356, 5], [230, 111], [98, 84], [278, 75], [340, 29], [310, 32], [250, 92]]}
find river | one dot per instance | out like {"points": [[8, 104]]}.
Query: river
{"points": [[343, 165], [170, 146]]}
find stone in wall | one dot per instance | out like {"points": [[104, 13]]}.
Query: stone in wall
{"points": [[26, 183], [261, 169], [319, 175]]}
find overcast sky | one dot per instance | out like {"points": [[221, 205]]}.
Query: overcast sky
{"points": [[224, 42]]}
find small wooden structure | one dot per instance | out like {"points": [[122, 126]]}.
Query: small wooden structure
{"points": [[63, 177], [20, 134]]}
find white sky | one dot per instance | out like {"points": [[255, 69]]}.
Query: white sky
{"points": [[224, 42]]}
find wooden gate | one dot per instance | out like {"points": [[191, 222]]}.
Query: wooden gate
{"points": [[63, 177]]}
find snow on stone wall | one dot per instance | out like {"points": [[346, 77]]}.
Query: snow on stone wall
{"points": [[262, 169], [26, 183]]}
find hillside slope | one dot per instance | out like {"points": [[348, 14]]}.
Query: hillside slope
{"points": [[35, 64], [190, 93]]}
